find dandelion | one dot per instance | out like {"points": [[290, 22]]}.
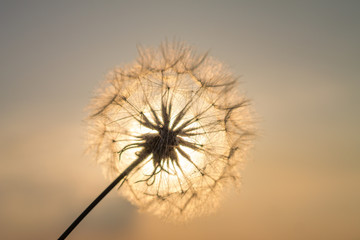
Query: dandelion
{"points": [[172, 129]]}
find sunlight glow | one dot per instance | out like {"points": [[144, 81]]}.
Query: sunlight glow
{"points": [[182, 114]]}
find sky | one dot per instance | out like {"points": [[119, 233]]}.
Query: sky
{"points": [[298, 62]]}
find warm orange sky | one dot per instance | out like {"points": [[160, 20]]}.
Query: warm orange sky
{"points": [[299, 63]]}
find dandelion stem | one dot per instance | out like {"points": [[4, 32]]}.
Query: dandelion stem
{"points": [[101, 196]]}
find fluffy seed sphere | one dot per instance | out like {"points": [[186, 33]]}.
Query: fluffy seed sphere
{"points": [[184, 116]]}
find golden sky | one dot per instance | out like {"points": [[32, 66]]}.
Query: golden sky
{"points": [[299, 63]]}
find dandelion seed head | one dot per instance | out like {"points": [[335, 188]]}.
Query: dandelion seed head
{"points": [[183, 113]]}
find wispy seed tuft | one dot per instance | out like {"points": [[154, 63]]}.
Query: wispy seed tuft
{"points": [[183, 117]]}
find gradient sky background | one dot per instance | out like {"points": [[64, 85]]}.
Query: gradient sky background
{"points": [[299, 62]]}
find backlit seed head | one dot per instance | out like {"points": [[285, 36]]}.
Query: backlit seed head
{"points": [[184, 114]]}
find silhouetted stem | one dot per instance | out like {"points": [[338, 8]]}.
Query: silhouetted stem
{"points": [[101, 196]]}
